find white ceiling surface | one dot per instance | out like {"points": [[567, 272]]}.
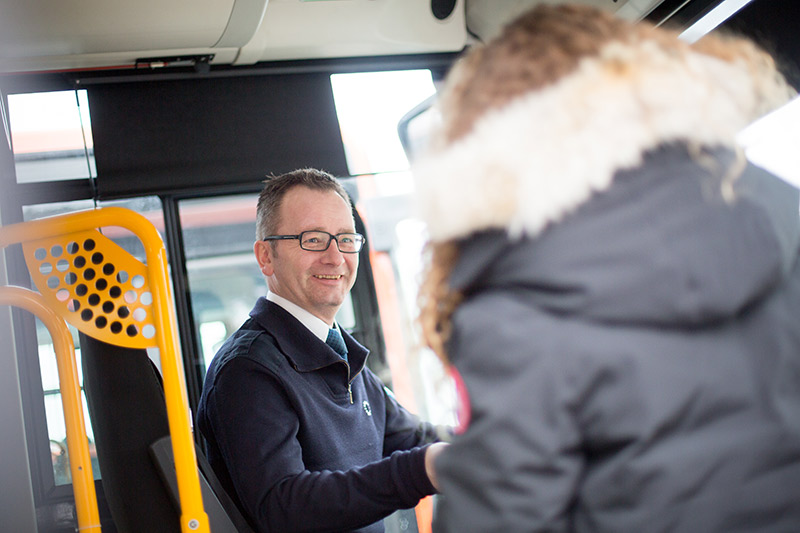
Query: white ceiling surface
{"points": [[78, 34], [40, 35]]}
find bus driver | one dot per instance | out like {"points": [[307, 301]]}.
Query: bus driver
{"points": [[300, 432]]}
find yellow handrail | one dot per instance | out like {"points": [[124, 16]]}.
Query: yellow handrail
{"points": [[193, 517], [80, 464]]}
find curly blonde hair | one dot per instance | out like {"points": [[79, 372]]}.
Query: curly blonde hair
{"points": [[436, 301]]}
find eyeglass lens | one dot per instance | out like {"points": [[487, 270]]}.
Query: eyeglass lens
{"points": [[318, 241]]}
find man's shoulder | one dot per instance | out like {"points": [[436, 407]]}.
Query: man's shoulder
{"points": [[249, 342]]}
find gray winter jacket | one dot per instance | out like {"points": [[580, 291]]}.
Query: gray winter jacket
{"points": [[635, 367]]}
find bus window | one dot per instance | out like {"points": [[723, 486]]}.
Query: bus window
{"points": [[771, 142], [51, 136], [223, 277], [56, 429], [370, 105]]}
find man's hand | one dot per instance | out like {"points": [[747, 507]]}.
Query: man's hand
{"points": [[431, 453]]}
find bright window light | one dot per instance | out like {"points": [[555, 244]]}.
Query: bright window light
{"points": [[51, 136], [772, 142], [714, 18], [369, 106]]}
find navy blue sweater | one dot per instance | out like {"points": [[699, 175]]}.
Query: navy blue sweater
{"points": [[303, 440]]}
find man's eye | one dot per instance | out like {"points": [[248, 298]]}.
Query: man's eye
{"points": [[346, 240], [312, 240]]}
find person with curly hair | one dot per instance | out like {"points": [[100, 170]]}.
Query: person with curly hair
{"points": [[616, 286]]}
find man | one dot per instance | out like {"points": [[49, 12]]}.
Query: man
{"points": [[303, 437]]}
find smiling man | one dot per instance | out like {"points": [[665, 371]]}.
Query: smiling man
{"points": [[300, 432]]}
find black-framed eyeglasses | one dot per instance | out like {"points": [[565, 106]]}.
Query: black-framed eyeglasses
{"points": [[318, 241]]}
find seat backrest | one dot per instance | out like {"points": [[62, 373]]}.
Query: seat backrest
{"points": [[223, 514], [126, 404]]}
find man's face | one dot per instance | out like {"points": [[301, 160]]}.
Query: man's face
{"points": [[316, 281]]}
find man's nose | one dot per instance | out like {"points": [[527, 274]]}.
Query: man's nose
{"points": [[332, 253]]}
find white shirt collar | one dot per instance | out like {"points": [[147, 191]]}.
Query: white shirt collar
{"points": [[314, 324]]}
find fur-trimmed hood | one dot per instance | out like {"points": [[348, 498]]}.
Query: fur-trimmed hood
{"points": [[531, 162]]}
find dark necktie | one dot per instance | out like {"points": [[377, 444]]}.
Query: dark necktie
{"points": [[336, 342]]}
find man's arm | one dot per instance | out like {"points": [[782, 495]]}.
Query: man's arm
{"points": [[403, 430], [256, 428]]}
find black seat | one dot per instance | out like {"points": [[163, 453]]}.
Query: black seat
{"points": [[129, 418]]}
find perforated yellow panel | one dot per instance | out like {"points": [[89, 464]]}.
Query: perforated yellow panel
{"points": [[103, 288], [108, 294]]}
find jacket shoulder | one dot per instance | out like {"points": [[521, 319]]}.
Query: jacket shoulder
{"points": [[253, 343]]}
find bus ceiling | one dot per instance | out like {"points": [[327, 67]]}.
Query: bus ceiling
{"points": [[86, 35]]}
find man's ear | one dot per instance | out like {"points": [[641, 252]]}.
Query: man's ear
{"points": [[264, 256]]}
